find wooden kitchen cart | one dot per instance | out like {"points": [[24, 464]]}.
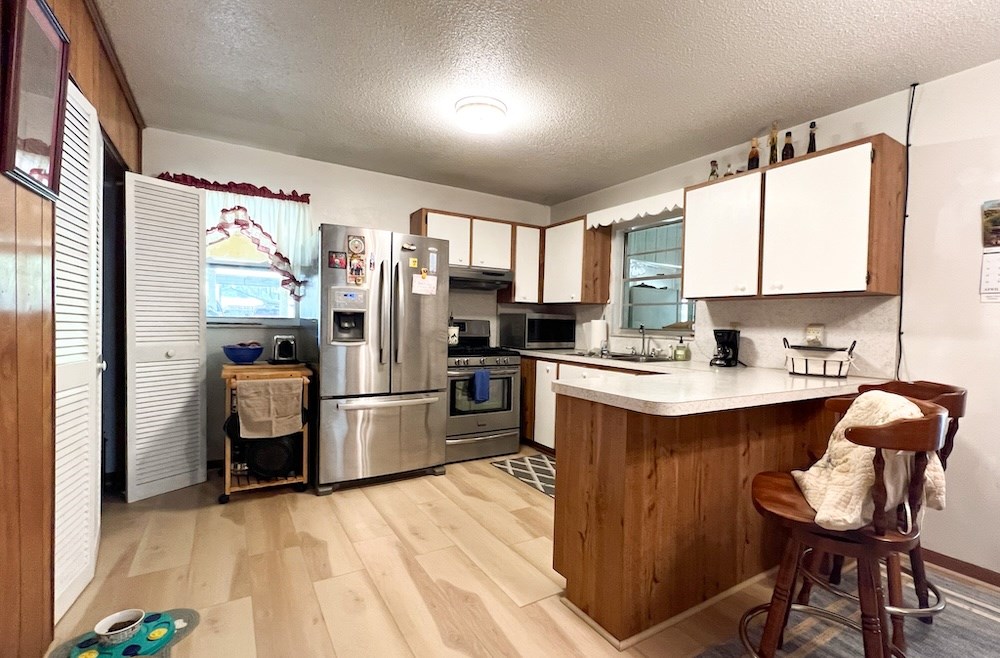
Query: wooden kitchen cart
{"points": [[245, 481]]}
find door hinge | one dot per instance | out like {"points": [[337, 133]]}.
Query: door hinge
{"points": [[868, 278], [873, 155]]}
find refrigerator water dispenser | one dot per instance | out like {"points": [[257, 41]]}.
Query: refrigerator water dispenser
{"points": [[348, 308]]}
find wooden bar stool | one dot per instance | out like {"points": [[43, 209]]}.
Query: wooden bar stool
{"points": [[953, 399], [777, 495]]}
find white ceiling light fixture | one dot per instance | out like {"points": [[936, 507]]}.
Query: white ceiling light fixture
{"points": [[481, 114]]}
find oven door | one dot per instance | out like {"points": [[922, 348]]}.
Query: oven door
{"points": [[501, 411]]}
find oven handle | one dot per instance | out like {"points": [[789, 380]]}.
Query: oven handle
{"points": [[469, 372], [476, 439]]}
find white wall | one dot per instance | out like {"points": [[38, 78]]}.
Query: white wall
{"points": [[949, 336], [340, 195]]}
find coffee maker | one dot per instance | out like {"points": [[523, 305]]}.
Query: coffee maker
{"points": [[727, 348]]}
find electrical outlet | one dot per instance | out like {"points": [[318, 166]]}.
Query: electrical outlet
{"points": [[734, 325], [815, 334]]}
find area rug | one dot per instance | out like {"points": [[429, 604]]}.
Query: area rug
{"points": [[969, 626], [538, 471]]}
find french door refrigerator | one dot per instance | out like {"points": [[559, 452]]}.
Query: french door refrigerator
{"points": [[376, 332]]}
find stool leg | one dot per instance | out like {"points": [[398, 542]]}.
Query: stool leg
{"points": [[811, 564], [870, 593], [838, 564], [894, 572], [920, 581], [781, 600]]}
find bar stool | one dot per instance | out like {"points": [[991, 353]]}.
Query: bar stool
{"points": [[776, 495], [952, 398]]}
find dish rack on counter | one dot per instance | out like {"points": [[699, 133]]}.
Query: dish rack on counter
{"points": [[818, 361]]}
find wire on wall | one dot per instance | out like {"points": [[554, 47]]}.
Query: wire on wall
{"points": [[906, 215]]}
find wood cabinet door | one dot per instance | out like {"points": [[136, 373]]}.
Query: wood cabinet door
{"points": [[545, 403], [564, 264], [527, 249], [816, 217], [491, 244], [722, 238], [456, 230]]}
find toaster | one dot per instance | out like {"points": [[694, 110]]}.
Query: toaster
{"points": [[284, 350]]}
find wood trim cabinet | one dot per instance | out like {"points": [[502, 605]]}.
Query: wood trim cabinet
{"points": [[577, 263], [831, 222], [472, 241]]}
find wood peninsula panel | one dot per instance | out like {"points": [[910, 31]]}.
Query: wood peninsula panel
{"points": [[654, 513], [528, 398], [27, 451], [97, 71]]}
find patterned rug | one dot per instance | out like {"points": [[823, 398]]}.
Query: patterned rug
{"points": [[538, 471], [969, 626]]}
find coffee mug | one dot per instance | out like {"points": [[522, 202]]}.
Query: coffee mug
{"points": [[453, 335]]}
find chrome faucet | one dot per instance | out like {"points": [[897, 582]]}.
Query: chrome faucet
{"points": [[642, 333]]}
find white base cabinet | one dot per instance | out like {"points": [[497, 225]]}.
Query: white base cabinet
{"points": [[545, 403]]}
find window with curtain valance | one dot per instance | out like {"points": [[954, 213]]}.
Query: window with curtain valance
{"points": [[256, 242]]}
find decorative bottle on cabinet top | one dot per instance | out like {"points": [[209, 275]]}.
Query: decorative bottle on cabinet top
{"points": [[788, 152], [753, 160], [812, 137], [772, 142]]}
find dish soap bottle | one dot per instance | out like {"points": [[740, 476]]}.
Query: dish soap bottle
{"points": [[681, 351]]}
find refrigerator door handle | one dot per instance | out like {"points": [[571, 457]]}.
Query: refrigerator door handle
{"points": [[382, 404], [384, 317], [397, 321]]}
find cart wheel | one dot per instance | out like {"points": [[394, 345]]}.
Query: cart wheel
{"points": [[222, 472], [299, 486], [223, 499]]}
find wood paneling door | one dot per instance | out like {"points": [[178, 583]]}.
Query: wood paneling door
{"points": [[165, 330], [78, 361]]}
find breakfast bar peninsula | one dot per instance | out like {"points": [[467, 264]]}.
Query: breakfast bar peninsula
{"points": [[652, 507]]}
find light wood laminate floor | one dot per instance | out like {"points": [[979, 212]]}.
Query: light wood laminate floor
{"points": [[455, 565]]}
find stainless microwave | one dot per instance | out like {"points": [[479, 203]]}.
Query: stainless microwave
{"points": [[537, 331]]}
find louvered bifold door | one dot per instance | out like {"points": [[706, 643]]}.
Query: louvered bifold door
{"points": [[78, 360], [165, 329]]}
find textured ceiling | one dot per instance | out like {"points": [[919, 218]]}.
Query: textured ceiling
{"points": [[598, 92]]}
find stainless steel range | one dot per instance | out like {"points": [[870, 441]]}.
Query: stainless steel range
{"points": [[484, 411]]}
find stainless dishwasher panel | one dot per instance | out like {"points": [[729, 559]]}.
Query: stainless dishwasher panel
{"points": [[380, 435]]}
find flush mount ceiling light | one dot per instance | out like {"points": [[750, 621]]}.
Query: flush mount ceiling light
{"points": [[481, 114]]}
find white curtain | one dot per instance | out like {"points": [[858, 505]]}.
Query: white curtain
{"points": [[286, 221]]}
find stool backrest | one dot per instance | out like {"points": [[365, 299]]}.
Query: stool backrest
{"points": [[950, 397], [917, 435]]}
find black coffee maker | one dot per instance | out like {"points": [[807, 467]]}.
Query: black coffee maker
{"points": [[727, 348]]}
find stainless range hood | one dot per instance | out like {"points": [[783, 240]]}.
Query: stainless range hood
{"points": [[473, 278]]}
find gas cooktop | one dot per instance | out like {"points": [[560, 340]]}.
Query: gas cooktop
{"points": [[478, 350]]}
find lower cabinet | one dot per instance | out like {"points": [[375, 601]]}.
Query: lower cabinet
{"points": [[545, 403]]}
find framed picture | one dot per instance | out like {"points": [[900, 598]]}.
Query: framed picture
{"points": [[35, 56]]}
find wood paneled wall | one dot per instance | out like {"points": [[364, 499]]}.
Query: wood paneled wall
{"points": [[97, 72], [27, 470]]}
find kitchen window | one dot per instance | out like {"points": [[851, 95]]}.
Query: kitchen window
{"points": [[241, 284], [651, 278]]}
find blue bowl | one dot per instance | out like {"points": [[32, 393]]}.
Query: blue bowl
{"points": [[241, 355]]}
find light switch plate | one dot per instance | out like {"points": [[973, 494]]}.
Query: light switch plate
{"points": [[815, 334]]}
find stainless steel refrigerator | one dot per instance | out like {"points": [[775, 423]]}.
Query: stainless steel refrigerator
{"points": [[375, 317]]}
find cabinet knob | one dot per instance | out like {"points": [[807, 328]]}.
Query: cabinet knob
{"points": [[170, 354], [741, 288]]}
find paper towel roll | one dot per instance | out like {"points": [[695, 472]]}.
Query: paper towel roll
{"points": [[597, 333]]}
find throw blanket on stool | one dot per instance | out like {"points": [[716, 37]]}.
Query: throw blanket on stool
{"points": [[839, 485]]}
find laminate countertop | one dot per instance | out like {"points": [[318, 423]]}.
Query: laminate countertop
{"points": [[683, 390]]}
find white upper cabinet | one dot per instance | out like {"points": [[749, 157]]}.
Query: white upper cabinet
{"points": [[457, 231], [527, 247], [722, 238], [490, 244], [563, 282], [816, 224]]}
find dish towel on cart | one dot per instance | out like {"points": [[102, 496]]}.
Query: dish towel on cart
{"points": [[839, 485], [480, 385], [269, 407]]}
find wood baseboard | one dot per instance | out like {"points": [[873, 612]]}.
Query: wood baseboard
{"points": [[539, 447], [961, 567]]}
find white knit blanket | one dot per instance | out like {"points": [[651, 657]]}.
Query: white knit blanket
{"points": [[839, 485]]}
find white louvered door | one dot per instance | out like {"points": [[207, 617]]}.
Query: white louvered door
{"points": [[78, 360], [165, 330]]}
